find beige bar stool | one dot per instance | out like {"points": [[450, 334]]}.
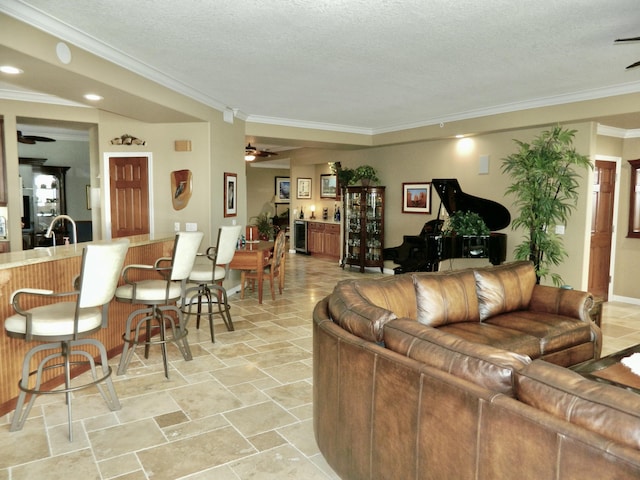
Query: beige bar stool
{"points": [[159, 295], [63, 327], [209, 277]]}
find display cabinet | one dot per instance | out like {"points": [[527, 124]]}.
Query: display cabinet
{"points": [[43, 199], [363, 227]]}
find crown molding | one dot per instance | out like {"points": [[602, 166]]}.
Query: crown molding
{"points": [[36, 97], [607, 131], [42, 21]]}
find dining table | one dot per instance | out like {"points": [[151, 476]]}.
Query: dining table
{"points": [[253, 256]]}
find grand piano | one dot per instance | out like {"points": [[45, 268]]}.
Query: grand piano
{"points": [[423, 252]]}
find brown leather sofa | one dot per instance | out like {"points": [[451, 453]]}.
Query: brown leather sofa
{"points": [[398, 398]]}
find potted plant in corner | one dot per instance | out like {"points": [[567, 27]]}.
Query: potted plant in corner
{"points": [[545, 186], [366, 174], [344, 175], [263, 222]]}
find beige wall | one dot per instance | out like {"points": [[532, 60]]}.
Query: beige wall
{"points": [[454, 158], [261, 190], [627, 259]]}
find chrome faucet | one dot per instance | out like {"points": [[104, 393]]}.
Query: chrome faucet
{"points": [[50, 233]]}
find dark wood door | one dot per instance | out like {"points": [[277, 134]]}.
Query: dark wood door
{"points": [[601, 227], [129, 184]]}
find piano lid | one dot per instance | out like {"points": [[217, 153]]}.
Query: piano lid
{"points": [[495, 215]]}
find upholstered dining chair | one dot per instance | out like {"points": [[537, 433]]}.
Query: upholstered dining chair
{"points": [[274, 269], [63, 328], [158, 295], [209, 276]]}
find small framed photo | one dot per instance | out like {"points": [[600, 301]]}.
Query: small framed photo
{"points": [[416, 197], [328, 186], [304, 188], [230, 194], [283, 189]]}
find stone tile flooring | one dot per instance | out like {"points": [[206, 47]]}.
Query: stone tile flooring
{"points": [[240, 410]]}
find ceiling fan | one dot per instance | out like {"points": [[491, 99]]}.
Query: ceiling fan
{"points": [[32, 139], [630, 39], [251, 152]]}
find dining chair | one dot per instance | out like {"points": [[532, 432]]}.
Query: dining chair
{"points": [[274, 269], [158, 295], [209, 276], [62, 329]]}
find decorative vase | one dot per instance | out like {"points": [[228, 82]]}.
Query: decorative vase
{"points": [[365, 182]]}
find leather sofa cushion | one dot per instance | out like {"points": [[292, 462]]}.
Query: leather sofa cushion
{"points": [[483, 365], [496, 336], [504, 288], [611, 411], [444, 298], [555, 332], [395, 293], [362, 307]]}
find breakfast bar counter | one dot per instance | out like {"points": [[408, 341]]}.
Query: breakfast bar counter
{"points": [[54, 268]]}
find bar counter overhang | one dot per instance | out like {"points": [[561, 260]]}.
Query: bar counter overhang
{"points": [[54, 268]]}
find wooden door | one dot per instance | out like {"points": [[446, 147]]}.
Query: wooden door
{"points": [[129, 185], [601, 228]]}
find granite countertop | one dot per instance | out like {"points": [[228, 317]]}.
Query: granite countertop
{"points": [[47, 254]]}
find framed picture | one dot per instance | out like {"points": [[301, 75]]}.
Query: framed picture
{"points": [[283, 189], [416, 197], [230, 194], [304, 188], [328, 186]]}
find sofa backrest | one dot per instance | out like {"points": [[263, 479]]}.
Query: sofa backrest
{"points": [[362, 307], [504, 288], [446, 297], [611, 411], [484, 365]]}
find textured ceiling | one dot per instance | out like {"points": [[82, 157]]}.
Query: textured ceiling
{"points": [[357, 65]]}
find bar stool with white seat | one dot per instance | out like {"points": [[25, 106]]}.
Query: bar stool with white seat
{"points": [[209, 276], [63, 328], [159, 296]]}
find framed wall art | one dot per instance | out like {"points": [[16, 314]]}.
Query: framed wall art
{"points": [[304, 188], [328, 186], [283, 189], [230, 194], [416, 197]]}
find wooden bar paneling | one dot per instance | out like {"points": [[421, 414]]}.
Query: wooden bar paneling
{"points": [[58, 275]]}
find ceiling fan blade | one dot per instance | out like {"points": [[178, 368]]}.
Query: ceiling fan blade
{"points": [[630, 39], [633, 65], [260, 153], [26, 141], [36, 138]]}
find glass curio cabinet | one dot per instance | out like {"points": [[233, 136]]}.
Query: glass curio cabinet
{"points": [[363, 227]]}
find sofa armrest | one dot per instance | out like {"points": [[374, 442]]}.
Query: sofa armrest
{"points": [[349, 309], [561, 301]]}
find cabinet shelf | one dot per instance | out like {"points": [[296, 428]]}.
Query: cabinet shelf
{"points": [[364, 227]]}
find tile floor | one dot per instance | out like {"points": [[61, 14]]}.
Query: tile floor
{"points": [[240, 410]]}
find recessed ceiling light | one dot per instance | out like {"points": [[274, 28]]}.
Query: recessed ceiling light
{"points": [[10, 70], [93, 97]]}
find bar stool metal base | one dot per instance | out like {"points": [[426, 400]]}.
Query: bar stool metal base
{"points": [[196, 295], [68, 348], [155, 316]]}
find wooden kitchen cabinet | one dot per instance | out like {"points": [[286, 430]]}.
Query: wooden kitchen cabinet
{"points": [[323, 239]]}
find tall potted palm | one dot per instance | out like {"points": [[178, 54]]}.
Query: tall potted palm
{"points": [[545, 186]]}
